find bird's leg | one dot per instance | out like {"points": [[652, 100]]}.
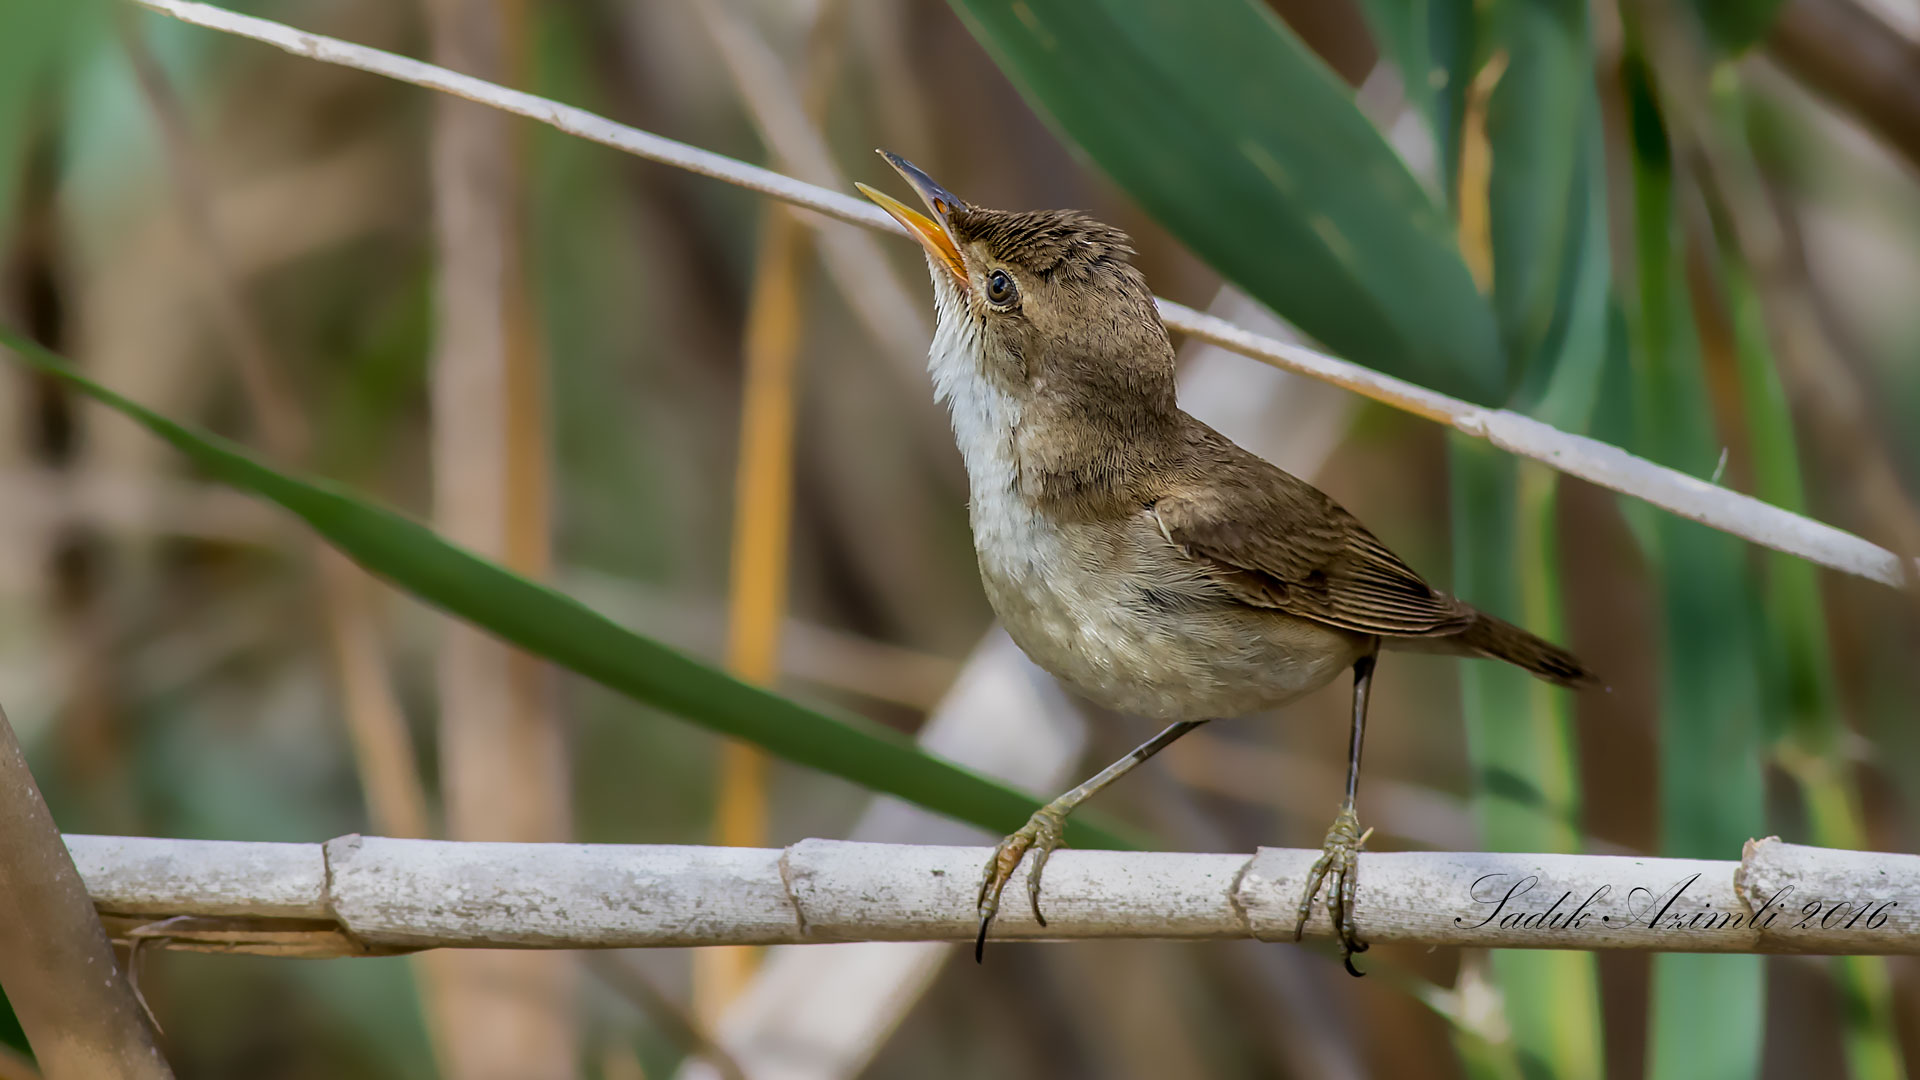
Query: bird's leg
{"points": [[1042, 833], [1340, 855]]}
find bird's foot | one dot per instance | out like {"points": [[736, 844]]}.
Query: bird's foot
{"points": [[1041, 834], [1340, 860]]}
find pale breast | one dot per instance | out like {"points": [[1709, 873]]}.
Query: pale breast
{"points": [[1113, 611]]}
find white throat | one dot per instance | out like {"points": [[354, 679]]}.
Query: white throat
{"points": [[984, 417], [1005, 527]]}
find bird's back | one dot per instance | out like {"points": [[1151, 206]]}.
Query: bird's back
{"points": [[1279, 543]]}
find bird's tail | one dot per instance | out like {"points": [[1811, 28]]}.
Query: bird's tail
{"points": [[1491, 637]]}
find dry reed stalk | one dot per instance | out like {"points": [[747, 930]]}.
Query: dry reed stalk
{"points": [[503, 755], [763, 488], [762, 529], [79, 1012]]}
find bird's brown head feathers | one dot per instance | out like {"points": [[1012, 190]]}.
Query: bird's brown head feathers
{"points": [[1047, 305]]}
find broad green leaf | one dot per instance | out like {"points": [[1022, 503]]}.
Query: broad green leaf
{"points": [[1432, 44], [1542, 118], [1563, 384], [1520, 740], [551, 625], [1551, 273], [1706, 1011], [1215, 117]]}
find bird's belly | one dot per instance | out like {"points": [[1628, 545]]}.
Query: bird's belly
{"points": [[1093, 612]]}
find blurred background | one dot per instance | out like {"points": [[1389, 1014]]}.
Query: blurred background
{"points": [[1688, 229]]}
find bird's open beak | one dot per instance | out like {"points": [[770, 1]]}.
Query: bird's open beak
{"points": [[931, 232]]}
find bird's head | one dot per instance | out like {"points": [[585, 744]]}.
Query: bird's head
{"points": [[1042, 304]]}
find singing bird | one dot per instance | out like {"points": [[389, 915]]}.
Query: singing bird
{"points": [[1131, 550]]}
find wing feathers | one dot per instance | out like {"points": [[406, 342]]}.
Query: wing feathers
{"points": [[1280, 543]]}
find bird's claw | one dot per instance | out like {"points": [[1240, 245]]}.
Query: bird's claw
{"points": [[1041, 834], [1339, 859]]}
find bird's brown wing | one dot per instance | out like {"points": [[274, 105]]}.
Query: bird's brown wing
{"points": [[1275, 541]]}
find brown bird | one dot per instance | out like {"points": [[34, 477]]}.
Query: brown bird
{"points": [[1134, 552]]}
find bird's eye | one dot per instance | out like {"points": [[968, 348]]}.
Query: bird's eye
{"points": [[1001, 291]]}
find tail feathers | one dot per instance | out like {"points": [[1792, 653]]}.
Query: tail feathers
{"points": [[1500, 640]]}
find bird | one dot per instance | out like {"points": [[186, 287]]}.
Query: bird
{"points": [[1142, 558]]}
